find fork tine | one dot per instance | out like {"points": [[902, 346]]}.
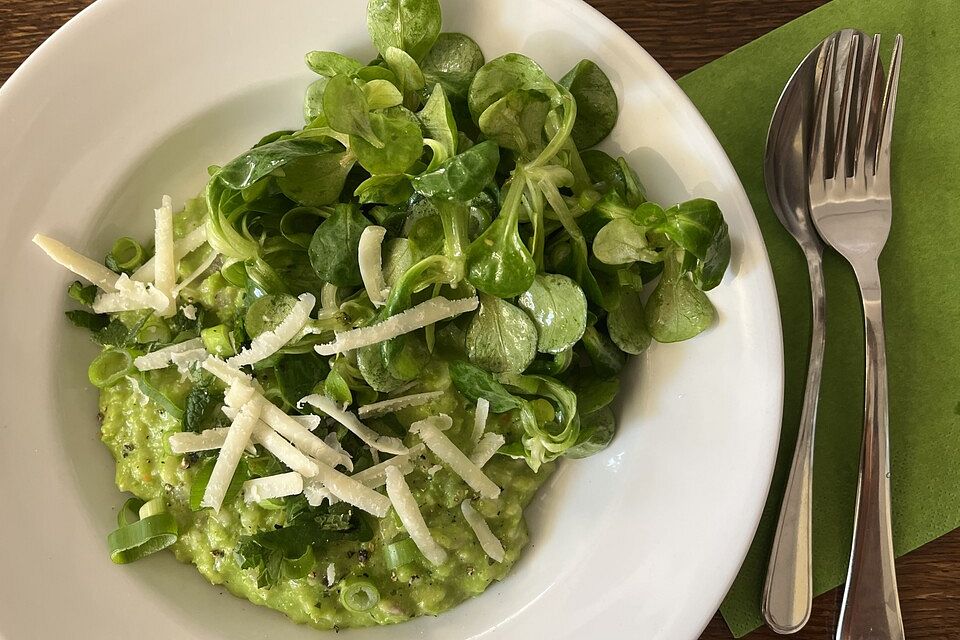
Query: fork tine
{"points": [[889, 106], [848, 108], [821, 124], [867, 123]]}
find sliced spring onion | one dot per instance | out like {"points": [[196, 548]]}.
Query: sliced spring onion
{"points": [[129, 512], [358, 595], [110, 367], [235, 273], [151, 508], [168, 405], [154, 329], [371, 266], [155, 530], [400, 553], [218, 341], [128, 254]]}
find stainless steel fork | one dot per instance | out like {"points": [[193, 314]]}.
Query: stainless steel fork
{"points": [[849, 189]]}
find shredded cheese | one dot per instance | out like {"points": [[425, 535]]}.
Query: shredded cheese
{"points": [[165, 278], [480, 415], [236, 441], [162, 357], [269, 342], [422, 315], [304, 440], [373, 439], [225, 372], [373, 477], [131, 296], [488, 542], [189, 312], [185, 245], [371, 264], [189, 442], [393, 404], [448, 452], [406, 507], [283, 450], [86, 268], [347, 489], [276, 486], [488, 446], [331, 574]]}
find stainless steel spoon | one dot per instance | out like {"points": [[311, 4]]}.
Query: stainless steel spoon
{"points": [[788, 592]]}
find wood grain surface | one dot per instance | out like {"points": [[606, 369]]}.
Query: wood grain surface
{"points": [[682, 35]]}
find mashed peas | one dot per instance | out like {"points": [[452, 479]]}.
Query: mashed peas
{"points": [[134, 429]]}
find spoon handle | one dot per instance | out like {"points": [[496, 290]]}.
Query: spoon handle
{"points": [[788, 592]]}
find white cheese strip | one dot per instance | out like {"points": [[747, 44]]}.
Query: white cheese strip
{"points": [[277, 486], [196, 273], [86, 268], [488, 446], [185, 245], [186, 360], [422, 315], [373, 477], [165, 278], [269, 342], [225, 372], [304, 440], [236, 441], [311, 422], [488, 542], [296, 429], [283, 450], [480, 415], [371, 264], [406, 507], [331, 574], [162, 357], [393, 404], [130, 296], [348, 490], [448, 452], [373, 439], [238, 393], [207, 440], [189, 442]]}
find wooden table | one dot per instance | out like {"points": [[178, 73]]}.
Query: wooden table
{"points": [[682, 35]]}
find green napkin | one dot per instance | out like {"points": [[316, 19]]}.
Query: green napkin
{"points": [[920, 268]]}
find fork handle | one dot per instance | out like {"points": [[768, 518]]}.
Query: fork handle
{"points": [[788, 591], [871, 607]]}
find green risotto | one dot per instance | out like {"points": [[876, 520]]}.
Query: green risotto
{"points": [[334, 381]]}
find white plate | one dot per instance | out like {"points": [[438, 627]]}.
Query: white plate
{"points": [[135, 99]]}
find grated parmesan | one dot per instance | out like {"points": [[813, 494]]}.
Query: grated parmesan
{"points": [[373, 439], [299, 435], [189, 442], [225, 372], [162, 357], [185, 245], [422, 315], [374, 477], [236, 441], [346, 489], [189, 312], [283, 450], [131, 296], [488, 542], [448, 452], [480, 415], [276, 486], [86, 268], [331, 574], [269, 342], [371, 264], [409, 513], [165, 278], [488, 446], [393, 404]]}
